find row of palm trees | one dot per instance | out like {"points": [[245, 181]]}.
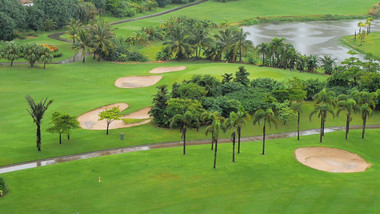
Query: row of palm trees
{"points": [[229, 44], [97, 38], [362, 103], [279, 54]]}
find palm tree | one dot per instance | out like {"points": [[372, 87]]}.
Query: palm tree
{"points": [[215, 128], [311, 63], [37, 111], [84, 43], [328, 98], [74, 27], [368, 22], [11, 51], [263, 48], [200, 39], [366, 104], [297, 107], [178, 42], [46, 56], [328, 64], [274, 45], [267, 117], [226, 39], [242, 43], [209, 117], [349, 106], [365, 112], [360, 25], [322, 110], [235, 122], [102, 36], [362, 36], [185, 121]]}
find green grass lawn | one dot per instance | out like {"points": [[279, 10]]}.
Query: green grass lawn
{"points": [[237, 11], [165, 181], [371, 45], [77, 88]]}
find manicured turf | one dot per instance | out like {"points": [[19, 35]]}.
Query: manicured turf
{"points": [[78, 88], [165, 181], [237, 11], [371, 45]]}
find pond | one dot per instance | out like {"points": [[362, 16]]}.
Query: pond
{"points": [[315, 37]]}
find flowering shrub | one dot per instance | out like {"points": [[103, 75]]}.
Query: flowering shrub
{"points": [[51, 47]]}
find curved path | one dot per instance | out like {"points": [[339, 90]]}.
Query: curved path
{"points": [[56, 160]]}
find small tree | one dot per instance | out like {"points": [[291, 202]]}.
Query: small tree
{"points": [[110, 115], [267, 117], [62, 123], [37, 112], [46, 56], [242, 76], [32, 53], [11, 51], [185, 121]]}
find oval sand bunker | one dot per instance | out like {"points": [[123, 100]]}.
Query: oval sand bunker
{"points": [[331, 159], [90, 120], [160, 70], [137, 81]]}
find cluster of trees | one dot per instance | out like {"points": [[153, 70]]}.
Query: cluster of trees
{"points": [[62, 123], [362, 32], [55, 14], [32, 52], [204, 100], [280, 54], [97, 38]]}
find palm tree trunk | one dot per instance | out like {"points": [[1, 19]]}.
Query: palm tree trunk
{"points": [[263, 58], [68, 136], [264, 139], [239, 134], [364, 124], [321, 131], [84, 59], [216, 150], [298, 125], [212, 141], [184, 141], [44, 65], [38, 137], [233, 146], [11, 63], [347, 125], [60, 138]]}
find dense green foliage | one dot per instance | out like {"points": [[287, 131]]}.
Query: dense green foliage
{"points": [[3, 187]]}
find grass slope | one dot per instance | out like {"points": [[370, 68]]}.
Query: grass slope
{"points": [[77, 88], [165, 181], [237, 11], [371, 45]]}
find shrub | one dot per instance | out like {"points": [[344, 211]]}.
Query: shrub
{"points": [[3, 187], [57, 54]]}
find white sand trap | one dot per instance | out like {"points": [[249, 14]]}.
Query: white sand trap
{"points": [[90, 121], [331, 159], [161, 70], [137, 81]]}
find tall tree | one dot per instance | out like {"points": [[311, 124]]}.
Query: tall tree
{"points": [[200, 39], [225, 39], [158, 110], [101, 38], [46, 56], [185, 121], [243, 44], [37, 111], [349, 106], [322, 110], [327, 102], [84, 44], [366, 104], [178, 42], [266, 117], [208, 118], [263, 48], [215, 127], [110, 115], [74, 27]]}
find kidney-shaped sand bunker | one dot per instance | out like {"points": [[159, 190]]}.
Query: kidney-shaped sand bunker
{"points": [[331, 159], [137, 81]]}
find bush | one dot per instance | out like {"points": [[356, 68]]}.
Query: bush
{"points": [[3, 187], [57, 54]]}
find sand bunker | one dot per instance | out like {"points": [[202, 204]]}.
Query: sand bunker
{"points": [[331, 159], [90, 121], [160, 70], [137, 81]]}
